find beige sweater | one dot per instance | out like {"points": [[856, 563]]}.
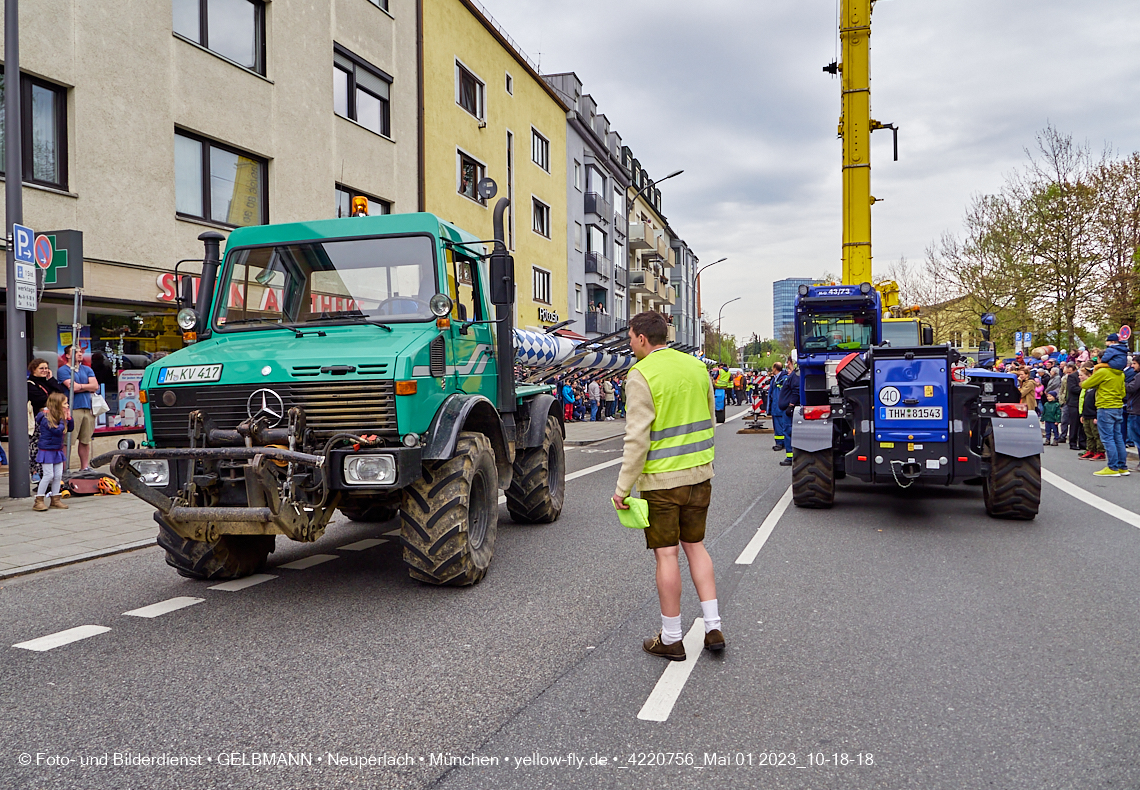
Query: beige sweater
{"points": [[641, 413]]}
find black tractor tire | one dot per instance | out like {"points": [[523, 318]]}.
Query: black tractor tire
{"points": [[228, 557], [538, 485], [450, 516], [371, 513], [1013, 487], [813, 478]]}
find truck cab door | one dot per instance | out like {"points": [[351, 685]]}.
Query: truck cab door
{"points": [[471, 337]]}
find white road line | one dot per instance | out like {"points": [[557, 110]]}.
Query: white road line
{"points": [[1089, 498], [164, 607], [672, 680], [308, 562], [748, 556], [361, 545], [52, 641], [241, 584]]}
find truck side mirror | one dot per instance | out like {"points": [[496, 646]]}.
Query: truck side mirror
{"points": [[502, 279], [186, 290], [927, 335]]}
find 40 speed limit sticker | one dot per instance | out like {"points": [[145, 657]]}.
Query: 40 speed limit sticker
{"points": [[889, 396]]}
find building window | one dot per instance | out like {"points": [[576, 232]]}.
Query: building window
{"points": [[344, 196], [218, 183], [360, 91], [595, 240], [578, 236], [510, 84], [471, 172], [540, 150], [595, 181], [578, 298], [235, 29], [541, 224], [43, 121], [541, 285], [468, 91], [578, 176]]}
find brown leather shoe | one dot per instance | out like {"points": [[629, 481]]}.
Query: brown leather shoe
{"points": [[39, 504], [673, 652], [58, 503], [714, 640]]}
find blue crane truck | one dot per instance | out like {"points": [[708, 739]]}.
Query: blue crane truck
{"points": [[902, 414]]}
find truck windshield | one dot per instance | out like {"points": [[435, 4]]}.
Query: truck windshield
{"points": [[901, 333], [388, 279], [836, 332]]}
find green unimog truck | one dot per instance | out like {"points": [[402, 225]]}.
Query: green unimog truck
{"points": [[364, 364]]}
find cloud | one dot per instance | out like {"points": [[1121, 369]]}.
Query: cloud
{"points": [[733, 92]]}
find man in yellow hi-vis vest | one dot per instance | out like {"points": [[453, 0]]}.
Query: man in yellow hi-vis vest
{"points": [[669, 454]]}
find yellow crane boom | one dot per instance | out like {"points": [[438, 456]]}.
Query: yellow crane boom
{"points": [[855, 127]]}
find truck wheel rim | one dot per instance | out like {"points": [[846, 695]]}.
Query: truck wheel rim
{"points": [[479, 512]]}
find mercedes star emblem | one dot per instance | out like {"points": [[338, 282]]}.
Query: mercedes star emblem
{"points": [[265, 403]]}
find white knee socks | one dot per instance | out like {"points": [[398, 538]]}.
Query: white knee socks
{"points": [[670, 629], [711, 615]]}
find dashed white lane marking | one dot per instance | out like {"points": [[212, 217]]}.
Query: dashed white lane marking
{"points": [[241, 584], [748, 556], [308, 562], [164, 607], [361, 545], [672, 680], [1103, 505], [61, 638]]}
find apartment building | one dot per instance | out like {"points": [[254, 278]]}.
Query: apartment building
{"points": [[651, 255], [145, 128], [488, 113], [685, 313], [784, 305], [596, 223]]}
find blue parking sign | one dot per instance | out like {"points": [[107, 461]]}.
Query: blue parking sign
{"points": [[23, 240]]}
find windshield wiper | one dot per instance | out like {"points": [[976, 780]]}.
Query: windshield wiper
{"points": [[267, 324], [352, 316]]}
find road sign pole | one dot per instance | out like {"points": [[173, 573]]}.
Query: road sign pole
{"points": [[19, 471]]}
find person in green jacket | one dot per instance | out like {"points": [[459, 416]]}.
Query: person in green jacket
{"points": [[1109, 383], [1051, 416]]}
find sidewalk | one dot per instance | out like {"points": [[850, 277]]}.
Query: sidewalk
{"points": [[579, 434]]}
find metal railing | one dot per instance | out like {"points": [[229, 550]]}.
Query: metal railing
{"points": [[596, 204], [503, 32], [599, 322], [598, 264]]}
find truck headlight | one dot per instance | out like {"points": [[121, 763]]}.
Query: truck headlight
{"points": [[154, 472], [366, 470]]}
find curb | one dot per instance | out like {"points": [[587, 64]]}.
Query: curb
{"points": [[587, 442], [76, 558]]}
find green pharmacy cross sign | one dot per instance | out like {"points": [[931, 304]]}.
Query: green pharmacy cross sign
{"points": [[66, 269]]}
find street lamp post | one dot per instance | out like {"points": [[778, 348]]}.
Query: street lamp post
{"points": [[719, 336], [697, 288]]}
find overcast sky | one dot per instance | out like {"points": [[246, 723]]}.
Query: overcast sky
{"points": [[733, 92]]}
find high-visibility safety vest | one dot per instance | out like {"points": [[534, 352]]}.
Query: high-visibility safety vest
{"points": [[681, 436], [724, 380]]}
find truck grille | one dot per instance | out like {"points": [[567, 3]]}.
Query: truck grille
{"points": [[330, 407]]}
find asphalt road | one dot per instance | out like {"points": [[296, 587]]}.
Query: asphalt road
{"points": [[902, 639]]}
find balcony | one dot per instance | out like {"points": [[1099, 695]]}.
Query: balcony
{"points": [[621, 225], [621, 277], [661, 290], [663, 249], [641, 282], [672, 334], [670, 295], [598, 264], [641, 237], [671, 259], [599, 322], [597, 205]]}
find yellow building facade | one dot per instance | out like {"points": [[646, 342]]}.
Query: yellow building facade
{"points": [[487, 113]]}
